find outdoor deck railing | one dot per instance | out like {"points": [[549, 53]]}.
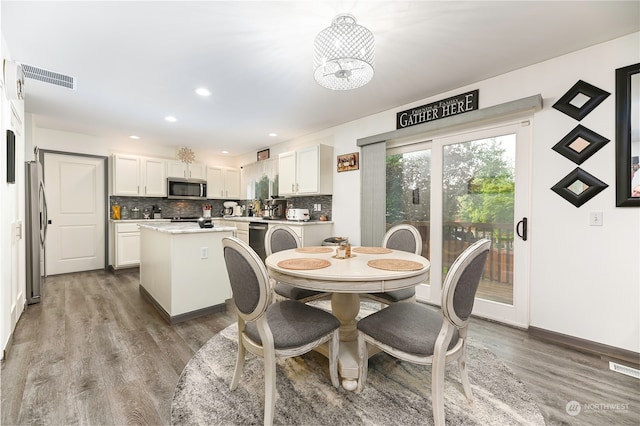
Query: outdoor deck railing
{"points": [[459, 235]]}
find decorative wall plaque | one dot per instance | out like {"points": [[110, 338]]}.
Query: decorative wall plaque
{"points": [[436, 110]]}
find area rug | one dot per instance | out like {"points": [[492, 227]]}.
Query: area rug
{"points": [[396, 393]]}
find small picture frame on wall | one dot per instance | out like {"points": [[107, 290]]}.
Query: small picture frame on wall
{"points": [[11, 157], [347, 162], [263, 155]]}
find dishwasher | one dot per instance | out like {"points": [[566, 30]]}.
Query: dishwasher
{"points": [[257, 233]]}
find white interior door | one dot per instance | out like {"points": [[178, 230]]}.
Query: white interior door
{"points": [[76, 210]]}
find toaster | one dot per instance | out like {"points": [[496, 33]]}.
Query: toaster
{"points": [[298, 214]]}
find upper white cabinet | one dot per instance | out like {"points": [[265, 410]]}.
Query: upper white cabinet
{"points": [[184, 170], [306, 171], [139, 176], [126, 175], [223, 182], [154, 177]]}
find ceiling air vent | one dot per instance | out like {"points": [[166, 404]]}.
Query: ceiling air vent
{"points": [[50, 77]]}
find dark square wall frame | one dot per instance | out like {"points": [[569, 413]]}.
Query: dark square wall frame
{"points": [[11, 157], [591, 186], [580, 144], [595, 95]]}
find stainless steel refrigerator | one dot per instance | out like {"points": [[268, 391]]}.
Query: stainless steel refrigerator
{"points": [[35, 230]]}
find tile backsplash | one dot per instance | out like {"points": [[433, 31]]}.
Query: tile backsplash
{"points": [[183, 208]]}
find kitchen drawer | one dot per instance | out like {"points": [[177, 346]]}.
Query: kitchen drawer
{"points": [[127, 227]]}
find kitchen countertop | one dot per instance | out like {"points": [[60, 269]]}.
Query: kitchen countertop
{"points": [[185, 228], [280, 222], [138, 220]]}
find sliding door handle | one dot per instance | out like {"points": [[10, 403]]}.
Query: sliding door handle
{"points": [[521, 229]]}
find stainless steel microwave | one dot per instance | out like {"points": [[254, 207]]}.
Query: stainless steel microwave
{"points": [[189, 189]]}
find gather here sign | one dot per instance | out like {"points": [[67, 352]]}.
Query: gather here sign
{"points": [[445, 108]]}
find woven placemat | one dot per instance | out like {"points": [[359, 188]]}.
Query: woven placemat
{"points": [[372, 250], [300, 264], [314, 249], [395, 264]]}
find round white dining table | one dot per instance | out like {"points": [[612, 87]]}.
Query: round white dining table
{"points": [[346, 279]]}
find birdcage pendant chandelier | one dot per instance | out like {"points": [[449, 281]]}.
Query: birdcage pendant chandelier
{"points": [[344, 54]]}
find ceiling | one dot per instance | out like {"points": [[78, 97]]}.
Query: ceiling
{"points": [[137, 62]]}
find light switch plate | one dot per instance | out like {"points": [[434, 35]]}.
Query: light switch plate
{"points": [[595, 218]]}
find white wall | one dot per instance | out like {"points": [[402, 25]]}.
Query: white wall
{"points": [[12, 259], [584, 280], [57, 140]]}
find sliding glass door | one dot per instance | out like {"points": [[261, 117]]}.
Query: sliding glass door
{"points": [[458, 189]]}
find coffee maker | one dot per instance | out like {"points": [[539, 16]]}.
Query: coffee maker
{"points": [[276, 208]]}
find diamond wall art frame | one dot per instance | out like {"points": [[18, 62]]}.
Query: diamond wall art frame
{"points": [[578, 187], [580, 144], [574, 104]]}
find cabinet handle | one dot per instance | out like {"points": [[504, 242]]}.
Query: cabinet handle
{"points": [[145, 190], [297, 187], [293, 188]]}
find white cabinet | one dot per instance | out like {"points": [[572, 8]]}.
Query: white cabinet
{"points": [[307, 171], [243, 231], [139, 176], [184, 170], [126, 175], [310, 234], [154, 177], [127, 245], [223, 182], [241, 226]]}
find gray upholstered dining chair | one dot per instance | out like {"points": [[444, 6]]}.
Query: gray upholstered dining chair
{"points": [[284, 329], [406, 238], [278, 238], [419, 334]]}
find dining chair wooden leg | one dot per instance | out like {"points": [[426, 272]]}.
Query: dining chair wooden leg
{"points": [[363, 363], [237, 372], [464, 375], [334, 349], [269, 386], [437, 385]]}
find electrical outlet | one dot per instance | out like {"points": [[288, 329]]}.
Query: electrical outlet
{"points": [[204, 252], [595, 218], [317, 207]]}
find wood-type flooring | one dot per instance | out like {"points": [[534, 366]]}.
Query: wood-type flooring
{"points": [[95, 352]]}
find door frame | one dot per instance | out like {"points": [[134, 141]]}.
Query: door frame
{"points": [[516, 314], [105, 194]]}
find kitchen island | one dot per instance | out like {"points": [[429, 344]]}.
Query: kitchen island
{"points": [[182, 269]]}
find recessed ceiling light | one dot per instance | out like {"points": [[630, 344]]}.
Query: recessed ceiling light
{"points": [[203, 91], [134, 137], [225, 152], [171, 119], [273, 135]]}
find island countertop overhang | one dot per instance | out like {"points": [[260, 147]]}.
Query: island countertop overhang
{"points": [[185, 228]]}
